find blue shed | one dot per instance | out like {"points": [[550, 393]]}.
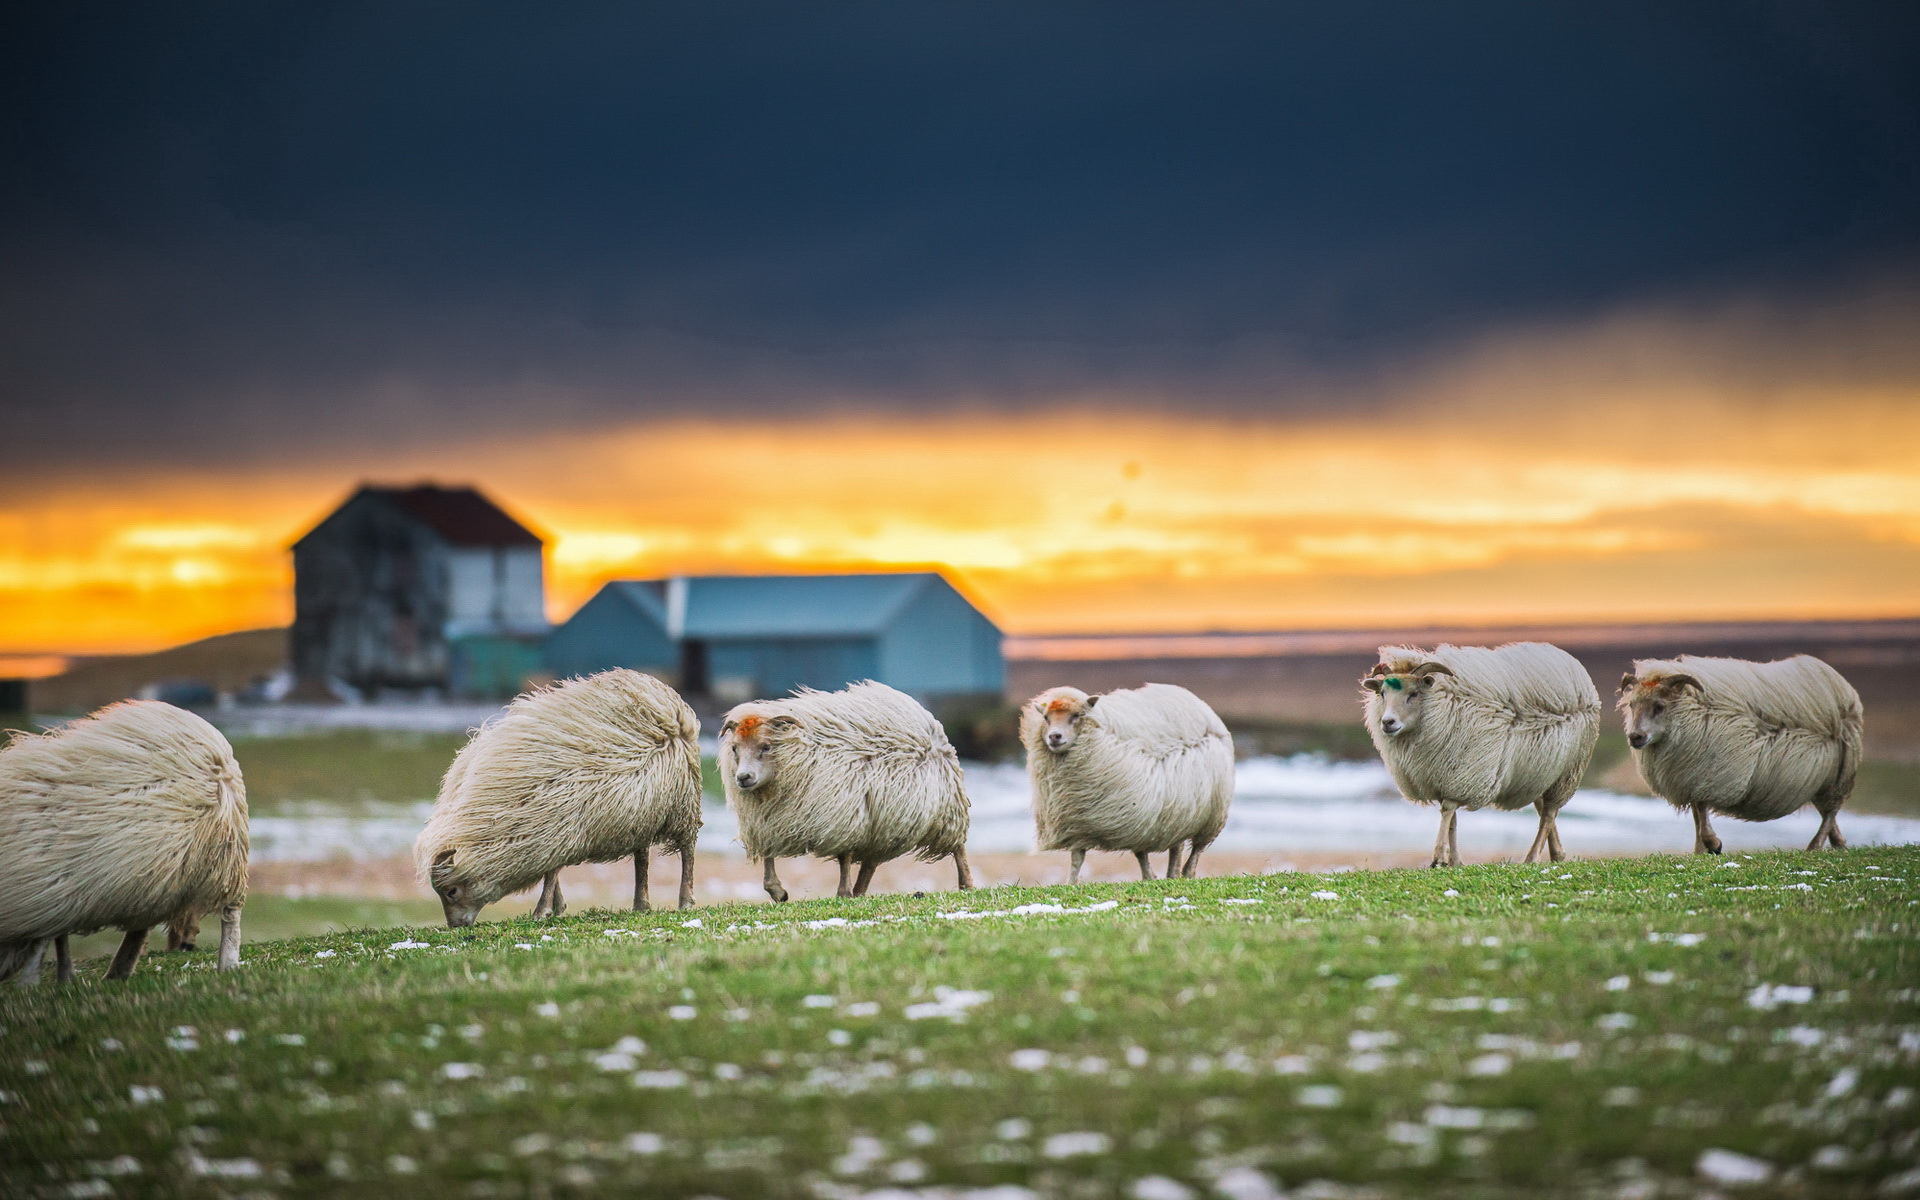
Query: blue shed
{"points": [[743, 637]]}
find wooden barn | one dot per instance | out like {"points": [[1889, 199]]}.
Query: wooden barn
{"points": [[739, 637], [417, 590]]}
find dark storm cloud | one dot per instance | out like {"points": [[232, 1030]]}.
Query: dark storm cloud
{"points": [[253, 229]]}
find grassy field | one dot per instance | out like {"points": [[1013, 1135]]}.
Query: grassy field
{"points": [[1611, 1028]]}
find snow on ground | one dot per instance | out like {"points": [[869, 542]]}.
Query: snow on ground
{"points": [[1302, 804]]}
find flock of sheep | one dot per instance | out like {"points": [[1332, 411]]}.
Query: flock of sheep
{"points": [[136, 816]]}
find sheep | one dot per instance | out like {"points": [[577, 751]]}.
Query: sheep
{"points": [[1751, 740], [1145, 769], [124, 819], [860, 775], [590, 770], [1471, 727]]}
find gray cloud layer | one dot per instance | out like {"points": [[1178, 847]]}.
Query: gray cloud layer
{"points": [[246, 230]]}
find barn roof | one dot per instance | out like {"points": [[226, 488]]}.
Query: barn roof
{"points": [[461, 516], [757, 606]]}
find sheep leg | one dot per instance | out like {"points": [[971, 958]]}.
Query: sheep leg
{"points": [[846, 876], [866, 877], [1833, 839], [1554, 847], [63, 954], [132, 947], [1440, 843], [686, 875], [642, 859], [1192, 866], [1704, 841], [549, 887], [1078, 859], [230, 937], [183, 932], [966, 872], [30, 974], [1540, 835], [1146, 868], [1453, 838], [1173, 861], [772, 881]]}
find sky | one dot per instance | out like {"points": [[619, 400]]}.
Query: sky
{"points": [[1133, 316]]}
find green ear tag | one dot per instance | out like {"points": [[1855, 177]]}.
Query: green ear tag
{"points": [[1393, 681]]}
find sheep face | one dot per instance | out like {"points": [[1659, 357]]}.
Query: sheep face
{"points": [[749, 748], [459, 898], [1061, 712], [1404, 695], [1648, 705]]}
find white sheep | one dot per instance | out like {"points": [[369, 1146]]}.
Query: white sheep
{"points": [[1144, 769], [591, 770], [1472, 727], [1751, 740], [125, 819], [860, 775]]}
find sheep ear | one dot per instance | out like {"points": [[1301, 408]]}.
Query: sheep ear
{"points": [[784, 721], [1627, 682], [442, 867], [727, 726], [1373, 683], [1092, 700]]}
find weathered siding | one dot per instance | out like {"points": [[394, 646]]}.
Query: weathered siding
{"points": [[495, 590], [370, 601], [776, 666]]}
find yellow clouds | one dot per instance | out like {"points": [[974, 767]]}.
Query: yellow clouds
{"points": [[1451, 507]]}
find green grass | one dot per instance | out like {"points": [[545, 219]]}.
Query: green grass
{"points": [[1393, 1036]]}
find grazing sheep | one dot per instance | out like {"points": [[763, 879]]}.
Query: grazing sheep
{"points": [[861, 775], [1751, 740], [591, 770], [122, 820], [1471, 727], [1146, 769]]}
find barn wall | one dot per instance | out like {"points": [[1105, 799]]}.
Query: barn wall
{"points": [[495, 590], [370, 601], [769, 667], [609, 631], [940, 645]]}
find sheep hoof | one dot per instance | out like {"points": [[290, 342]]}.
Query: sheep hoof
{"points": [[1713, 847], [186, 947]]}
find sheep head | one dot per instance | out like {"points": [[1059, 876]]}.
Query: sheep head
{"points": [[1058, 713], [459, 898], [1402, 690], [749, 743], [1647, 698]]}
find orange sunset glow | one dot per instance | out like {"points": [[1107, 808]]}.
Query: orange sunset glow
{"points": [[1445, 507]]}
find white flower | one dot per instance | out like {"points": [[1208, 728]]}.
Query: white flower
{"points": [[1384, 981], [1490, 1064], [1029, 1060], [546, 1008], [1658, 978], [1769, 995], [1443, 1116], [1076, 1145], [533, 1143], [462, 1070], [863, 1008], [1013, 1129], [682, 1012], [1619, 983], [659, 1079], [839, 1037], [1159, 1187], [1319, 1095], [1326, 895], [141, 1094], [326, 954], [1734, 1170], [645, 1143], [614, 1060], [696, 923], [817, 1002], [1245, 1183], [409, 944], [1451, 892]]}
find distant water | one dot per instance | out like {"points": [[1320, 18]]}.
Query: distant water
{"points": [[1302, 804]]}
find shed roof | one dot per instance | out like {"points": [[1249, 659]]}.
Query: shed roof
{"points": [[461, 516], [746, 606]]}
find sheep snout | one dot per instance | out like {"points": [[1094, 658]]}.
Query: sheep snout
{"points": [[1391, 726], [1637, 740]]}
